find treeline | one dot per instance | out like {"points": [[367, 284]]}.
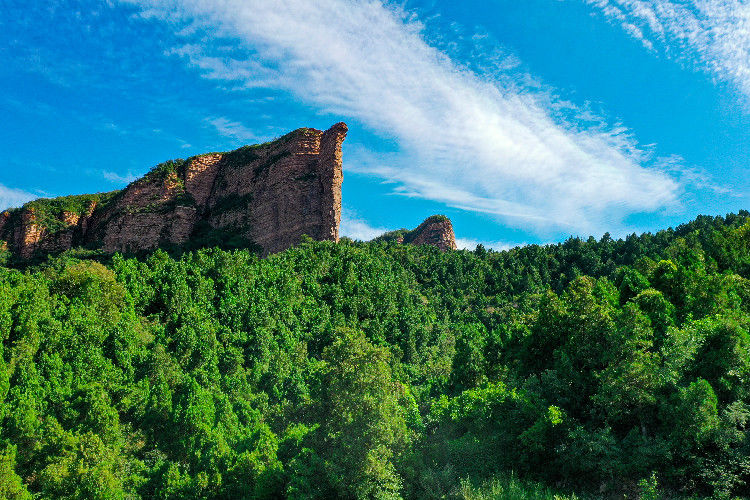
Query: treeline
{"points": [[378, 370]]}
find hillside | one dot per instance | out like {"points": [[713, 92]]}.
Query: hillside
{"points": [[382, 370]]}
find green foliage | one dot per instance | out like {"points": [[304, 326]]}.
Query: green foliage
{"points": [[399, 235], [206, 236], [509, 488], [48, 211], [11, 486], [170, 168], [649, 488], [5, 254], [436, 218], [362, 423], [369, 370]]}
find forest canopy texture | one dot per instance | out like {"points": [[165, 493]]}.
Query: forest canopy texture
{"points": [[380, 370]]}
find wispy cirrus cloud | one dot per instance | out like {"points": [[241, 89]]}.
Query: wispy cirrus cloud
{"points": [[116, 178], [12, 197], [713, 35], [479, 142], [232, 129]]}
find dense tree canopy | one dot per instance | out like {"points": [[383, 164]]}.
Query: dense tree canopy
{"points": [[379, 370]]}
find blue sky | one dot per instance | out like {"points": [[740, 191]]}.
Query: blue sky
{"points": [[524, 122]]}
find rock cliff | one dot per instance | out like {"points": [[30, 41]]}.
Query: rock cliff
{"points": [[436, 230], [264, 196]]}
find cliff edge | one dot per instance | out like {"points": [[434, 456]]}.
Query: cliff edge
{"points": [[264, 196]]}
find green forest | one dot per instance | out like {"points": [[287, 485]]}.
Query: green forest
{"points": [[585, 369]]}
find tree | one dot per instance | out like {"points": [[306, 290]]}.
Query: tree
{"points": [[362, 421], [11, 487]]}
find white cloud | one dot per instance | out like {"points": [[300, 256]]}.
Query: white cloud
{"points": [[112, 127], [11, 197], [712, 34], [358, 229], [469, 140], [117, 178], [471, 244], [231, 129]]}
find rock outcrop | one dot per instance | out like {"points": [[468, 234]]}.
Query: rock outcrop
{"points": [[266, 196], [436, 230]]}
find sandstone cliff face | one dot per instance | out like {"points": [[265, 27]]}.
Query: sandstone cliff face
{"points": [[436, 231], [29, 236], [269, 195], [288, 189], [149, 213]]}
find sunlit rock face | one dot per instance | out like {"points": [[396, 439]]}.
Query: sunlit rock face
{"points": [[436, 231], [268, 195]]}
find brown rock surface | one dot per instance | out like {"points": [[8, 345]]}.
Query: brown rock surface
{"points": [[436, 231], [200, 176], [142, 218], [269, 194], [28, 234]]}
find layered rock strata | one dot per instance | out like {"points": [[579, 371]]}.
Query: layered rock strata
{"points": [[268, 195]]}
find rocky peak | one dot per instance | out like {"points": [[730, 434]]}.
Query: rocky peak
{"points": [[4, 220], [436, 230], [265, 196]]}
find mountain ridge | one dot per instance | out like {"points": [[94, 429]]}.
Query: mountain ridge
{"points": [[265, 196]]}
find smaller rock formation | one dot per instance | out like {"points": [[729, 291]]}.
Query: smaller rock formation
{"points": [[436, 230]]}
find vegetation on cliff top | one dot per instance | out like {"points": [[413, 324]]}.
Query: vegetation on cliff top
{"points": [[48, 212], [433, 219], [174, 169], [247, 154], [377, 370]]}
